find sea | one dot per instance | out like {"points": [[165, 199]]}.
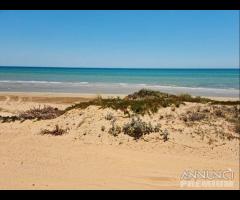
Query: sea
{"points": [[197, 82]]}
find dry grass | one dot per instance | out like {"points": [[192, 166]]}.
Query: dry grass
{"points": [[109, 116], [115, 130], [8, 119], [146, 102], [237, 127], [55, 132], [47, 112], [192, 116]]}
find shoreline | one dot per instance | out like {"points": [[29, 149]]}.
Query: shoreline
{"points": [[72, 97]]}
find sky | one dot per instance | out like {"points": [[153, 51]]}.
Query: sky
{"points": [[149, 39]]}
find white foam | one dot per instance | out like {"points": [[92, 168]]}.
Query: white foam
{"points": [[102, 87]]}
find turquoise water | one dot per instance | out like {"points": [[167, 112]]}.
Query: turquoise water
{"points": [[222, 82]]}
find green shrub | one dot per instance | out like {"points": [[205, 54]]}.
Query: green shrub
{"points": [[115, 130], [146, 94], [137, 128], [145, 101]]}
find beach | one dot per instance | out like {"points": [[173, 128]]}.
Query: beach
{"points": [[119, 100], [87, 157]]}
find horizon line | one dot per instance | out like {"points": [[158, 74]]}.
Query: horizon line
{"points": [[119, 67]]}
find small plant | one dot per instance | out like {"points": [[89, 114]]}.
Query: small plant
{"points": [[115, 130], [173, 108], [193, 116], [56, 131], [157, 128], [184, 117], [211, 141], [185, 97], [196, 116], [219, 113], [138, 128], [109, 116], [103, 128], [165, 135], [237, 127], [47, 112]]}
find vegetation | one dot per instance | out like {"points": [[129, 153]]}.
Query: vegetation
{"points": [[115, 130], [56, 131], [219, 112], [237, 127], [146, 101], [8, 119], [47, 112], [103, 128], [44, 113], [165, 135], [109, 116], [137, 128], [142, 102], [192, 116]]}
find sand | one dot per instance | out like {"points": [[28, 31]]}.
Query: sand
{"points": [[89, 158]]}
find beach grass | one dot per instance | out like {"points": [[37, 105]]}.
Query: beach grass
{"points": [[147, 101], [142, 102]]}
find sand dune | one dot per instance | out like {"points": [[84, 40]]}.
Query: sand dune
{"points": [[89, 158]]}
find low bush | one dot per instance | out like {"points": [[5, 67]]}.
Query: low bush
{"points": [[196, 116], [109, 116], [193, 116], [47, 112], [137, 128], [115, 130], [219, 113], [146, 102], [4, 119]]}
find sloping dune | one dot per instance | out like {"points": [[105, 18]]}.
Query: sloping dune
{"points": [[88, 157]]}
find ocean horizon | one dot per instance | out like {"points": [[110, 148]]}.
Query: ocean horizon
{"points": [[219, 82]]}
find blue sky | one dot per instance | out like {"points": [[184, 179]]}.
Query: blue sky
{"points": [[120, 38]]}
